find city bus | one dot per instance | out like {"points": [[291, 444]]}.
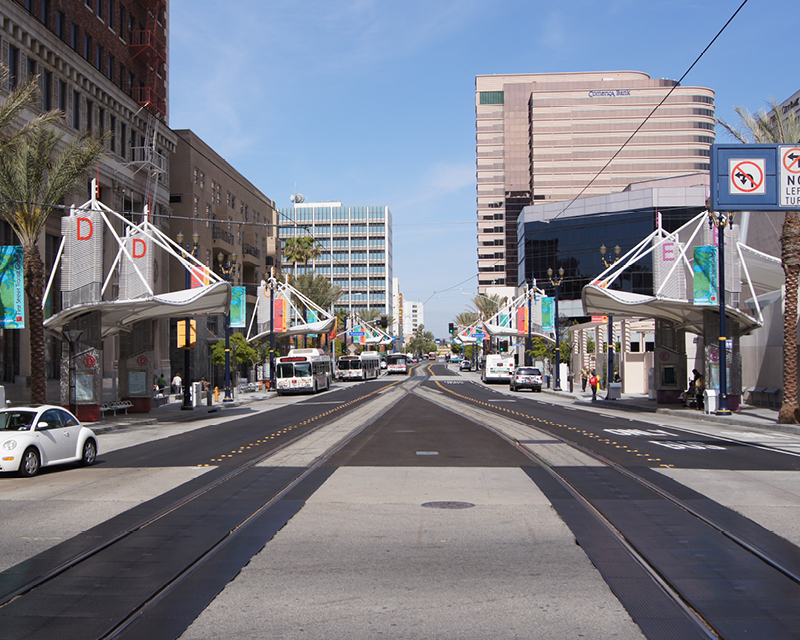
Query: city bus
{"points": [[397, 363], [303, 371], [365, 366], [497, 368]]}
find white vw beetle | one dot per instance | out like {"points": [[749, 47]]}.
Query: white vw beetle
{"points": [[39, 436]]}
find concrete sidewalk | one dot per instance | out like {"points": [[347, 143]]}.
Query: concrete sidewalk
{"points": [[745, 416]]}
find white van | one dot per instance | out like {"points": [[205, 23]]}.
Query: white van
{"points": [[498, 367]]}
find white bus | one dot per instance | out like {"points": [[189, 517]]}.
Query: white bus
{"points": [[498, 367], [303, 371], [397, 363], [365, 366]]}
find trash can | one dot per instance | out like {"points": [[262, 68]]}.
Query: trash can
{"points": [[614, 390], [710, 399]]}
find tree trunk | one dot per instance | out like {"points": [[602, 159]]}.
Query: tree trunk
{"points": [[790, 253], [33, 268]]}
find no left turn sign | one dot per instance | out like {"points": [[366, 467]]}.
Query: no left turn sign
{"points": [[789, 182], [746, 176]]}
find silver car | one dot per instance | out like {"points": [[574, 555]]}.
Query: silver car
{"points": [[526, 378]]}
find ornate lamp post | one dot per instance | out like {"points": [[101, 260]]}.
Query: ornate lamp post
{"points": [[529, 297], [721, 220], [271, 285], [227, 267], [191, 250], [610, 342], [556, 284]]}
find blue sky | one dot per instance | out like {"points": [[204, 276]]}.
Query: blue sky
{"points": [[371, 102]]}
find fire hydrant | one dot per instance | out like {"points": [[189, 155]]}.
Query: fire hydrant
{"points": [[216, 394]]}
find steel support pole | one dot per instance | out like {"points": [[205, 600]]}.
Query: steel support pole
{"points": [[610, 359], [722, 407], [528, 346], [187, 357], [271, 286]]}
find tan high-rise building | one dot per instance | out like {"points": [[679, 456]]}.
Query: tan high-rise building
{"points": [[548, 136]]}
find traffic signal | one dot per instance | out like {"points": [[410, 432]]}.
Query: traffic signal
{"points": [[452, 327], [383, 322]]}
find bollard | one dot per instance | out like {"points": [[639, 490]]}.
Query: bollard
{"points": [[216, 394], [208, 397]]}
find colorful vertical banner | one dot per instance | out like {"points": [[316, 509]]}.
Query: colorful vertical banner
{"points": [[12, 290], [281, 314], [547, 313], [705, 275], [311, 317], [238, 307], [504, 320], [334, 332], [522, 320]]}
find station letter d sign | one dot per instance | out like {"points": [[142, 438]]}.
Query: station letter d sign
{"points": [[139, 248], [85, 231]]}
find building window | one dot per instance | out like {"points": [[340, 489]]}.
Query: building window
{"points": [[121, 21], [113, 134], [31, 68], [101, 122], [61, 23], [100, 9], [87, 47], [76, 110], [45, 17], [492, 97], [123, 139], [73, 40], [62, 97], [99, 61], [89, 116], [202, 180], [111, 65], [110, 12], [47, 90], [196, 206], [13, 68]]}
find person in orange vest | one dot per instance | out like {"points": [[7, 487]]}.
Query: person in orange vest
{"points": [[593, 381]]}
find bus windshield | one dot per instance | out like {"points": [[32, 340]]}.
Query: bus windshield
{"points": [[396, 359], [294, 370], [346, 365]]}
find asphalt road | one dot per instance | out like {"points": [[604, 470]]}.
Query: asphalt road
{"points": [[422, 523]]}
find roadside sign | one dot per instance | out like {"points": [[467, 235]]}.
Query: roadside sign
{"points": [[745, 177], [789, 183], [478, 336], [357, 334]]}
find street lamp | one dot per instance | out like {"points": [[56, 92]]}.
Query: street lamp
{"points": [[191, 250], [271, 285], [227, 266], [610, 343], [72, 336], [721, 220], [556, 284], [529, 296]]}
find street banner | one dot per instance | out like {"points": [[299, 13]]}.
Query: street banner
{"points": [[281, 314], [522, 320], [12, 291], [547, 313], [311, 317], [334, 331], [238, 307], [200, 277], [705, 275]]}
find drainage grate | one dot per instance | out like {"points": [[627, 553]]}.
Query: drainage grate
{"points": [[448, 505]]}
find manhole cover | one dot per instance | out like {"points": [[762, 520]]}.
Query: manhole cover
{"points": [[448, 505]]}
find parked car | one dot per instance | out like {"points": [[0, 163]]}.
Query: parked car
{"points": [[526, 378], [40, 436], [465, 365]]}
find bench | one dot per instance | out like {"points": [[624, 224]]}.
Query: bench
{"points": [[117, 405]]}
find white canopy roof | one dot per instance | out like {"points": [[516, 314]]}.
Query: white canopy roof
{"points": [[118, 315]]}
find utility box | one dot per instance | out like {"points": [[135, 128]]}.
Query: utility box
{"points": [[710, 398], [197, 394], [614, 390]]}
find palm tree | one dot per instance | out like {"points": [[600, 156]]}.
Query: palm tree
{"points": [[777, 128], [467, 318], [301, 249], [487, 305], [34, 177]]}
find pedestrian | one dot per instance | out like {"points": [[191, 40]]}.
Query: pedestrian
{"points": [[177, 384], [691, 392], [593, 381], [699, 389], [616, 376], [584, 378], [162, 384]]}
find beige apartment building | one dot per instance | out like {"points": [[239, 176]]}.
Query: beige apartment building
{"points": [[557, 136], [232, 219]]}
